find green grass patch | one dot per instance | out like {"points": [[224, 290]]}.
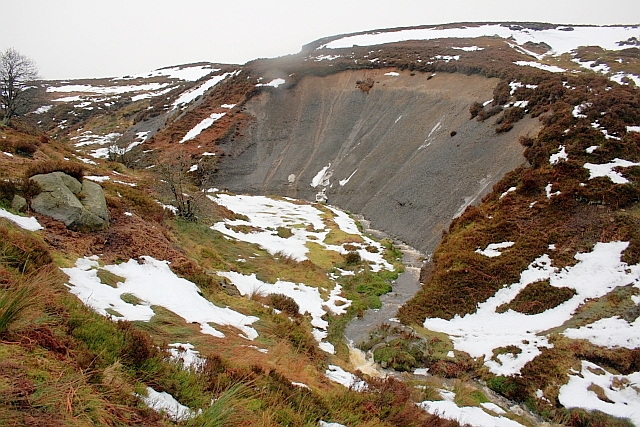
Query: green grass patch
{"points": [[336, 236], [284, 232], [108, 278], [130, 299], [323, 258]]}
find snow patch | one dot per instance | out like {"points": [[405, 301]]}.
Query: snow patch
{"points": [[509, 190], [273, 83], [27, 223], [190, 95], [308, 299], [153, 283], [621, 391], [560, 155], [492, 251], [337, 374], [204, 124], [606, 169], [545, 67], [305, 221], [597, 273], [166, 403], [344, 182], [186, 356]]}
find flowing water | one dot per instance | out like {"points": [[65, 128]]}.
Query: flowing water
{"points": [[405, 287]]}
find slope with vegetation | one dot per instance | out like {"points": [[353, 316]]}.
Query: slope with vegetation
{"points": [[280, 278], [67, 360]]}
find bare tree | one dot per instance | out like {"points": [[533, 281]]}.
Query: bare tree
{"points": [[186, 180], [16, 73]]}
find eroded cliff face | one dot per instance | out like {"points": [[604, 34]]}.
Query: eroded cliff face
{"points": [[388, 154]]}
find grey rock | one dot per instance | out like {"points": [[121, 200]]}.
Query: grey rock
{"points": [[93, 199], [64, 198], [71, 183], [19, 203]]}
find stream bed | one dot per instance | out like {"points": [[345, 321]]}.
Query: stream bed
{"points": [[405, 287]]}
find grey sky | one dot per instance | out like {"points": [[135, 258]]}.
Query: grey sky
{"points": [[98, 38]]}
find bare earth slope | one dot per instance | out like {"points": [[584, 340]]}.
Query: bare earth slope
{"points": [[409, 176]]}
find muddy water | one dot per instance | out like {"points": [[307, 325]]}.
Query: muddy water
{"points": [[406, 286]]}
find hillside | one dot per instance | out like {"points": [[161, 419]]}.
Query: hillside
{"points": [[507, 154]]}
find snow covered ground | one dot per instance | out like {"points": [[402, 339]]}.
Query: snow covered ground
{"points": [[337, 374], [306, 222], [467, 415], [166, 403], [190, 95], [107, 90], [186, 355], [308, 299], [594, 388], [189, 73], [492, 250], [273, 83], [204, 124], [607, 170], [597, 273], [560, 40], [151, 283]]}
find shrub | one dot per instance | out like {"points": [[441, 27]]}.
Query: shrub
{"points": [[352, 258], [137, 347], [8, 188], [486, 113], [284, 303], [475, 108], [25, 149], [501, 93], [284, 232], [537, 298], [365, 85], [505, 127], [73, 169], [537, 154], [502, 385], [531, 182], [513, 114]]}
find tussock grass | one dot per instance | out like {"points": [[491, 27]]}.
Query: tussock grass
{"points": [[12, 304]]}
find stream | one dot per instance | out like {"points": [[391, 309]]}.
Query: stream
{"points": [[405, 287]]}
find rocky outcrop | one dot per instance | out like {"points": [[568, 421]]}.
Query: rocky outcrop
{"points": [[405, 155], [81, 206]]}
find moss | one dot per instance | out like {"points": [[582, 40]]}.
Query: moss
{"points": [[284, 232]]}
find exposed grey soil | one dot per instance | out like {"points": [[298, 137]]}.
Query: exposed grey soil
{"points": [[408, 175]]}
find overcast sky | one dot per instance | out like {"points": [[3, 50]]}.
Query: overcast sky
{"points": [[104, 38]]}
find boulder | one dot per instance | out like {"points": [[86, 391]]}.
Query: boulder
{"points": [[19, 203], [81, 206]]}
